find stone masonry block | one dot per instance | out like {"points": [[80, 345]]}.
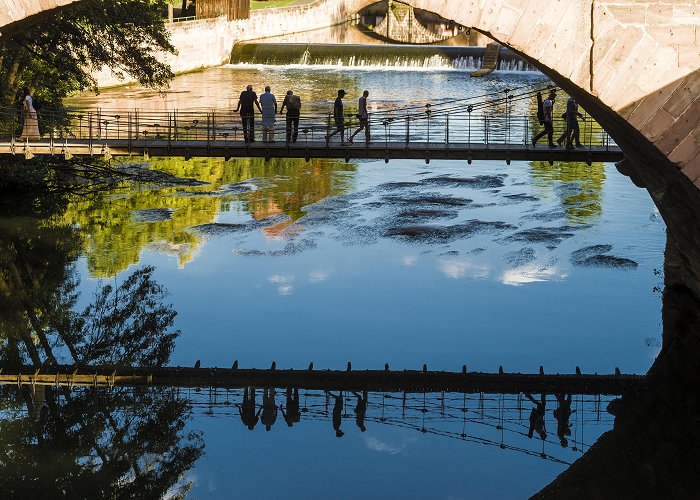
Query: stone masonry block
{"points": [[692, 170], [661, 69], [684, 95], [525, 27], [629, 14], [659, 13], [506, 22], [649, 104], [685, 151], [688, 56], [682, 127], [616, 90], [540, 40], [687, 14], [673, 35], [658, 124]]}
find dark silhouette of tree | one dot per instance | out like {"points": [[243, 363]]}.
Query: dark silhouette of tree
{"points": [[59, 55], [92, 442]]}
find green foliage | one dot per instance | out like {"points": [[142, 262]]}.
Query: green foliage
{"points": [[58, 56]]}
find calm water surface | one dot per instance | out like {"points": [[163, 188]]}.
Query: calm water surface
{"points": [[521, 266]]}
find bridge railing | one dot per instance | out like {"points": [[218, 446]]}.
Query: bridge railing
{"points": [[412, 128]]}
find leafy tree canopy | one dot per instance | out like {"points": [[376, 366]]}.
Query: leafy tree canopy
{"points": [[59, 55]]}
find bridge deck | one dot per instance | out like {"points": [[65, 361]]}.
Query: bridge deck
{"points": [[372, 380], [314, 149]]}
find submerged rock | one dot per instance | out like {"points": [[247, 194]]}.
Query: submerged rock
{"points": [[551, 236], [520, 197], [520, 257], [597, 256], [478, 182], [427, 214], [445, 233], [152, 215], [429, 199], [220, 229]]}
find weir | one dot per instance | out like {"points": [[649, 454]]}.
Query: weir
{"points": [[379, 55]]}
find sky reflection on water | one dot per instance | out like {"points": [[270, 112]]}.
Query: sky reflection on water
{"points": [[402, 263]]}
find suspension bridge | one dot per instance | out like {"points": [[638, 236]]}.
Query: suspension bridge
{"points": [[476, 128]]}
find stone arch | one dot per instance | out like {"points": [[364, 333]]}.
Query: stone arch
{"points": [[15, 15]]}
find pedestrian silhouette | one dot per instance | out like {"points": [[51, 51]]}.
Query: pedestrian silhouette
{"points": [[562, 414], [547, 109], [247, 409], [537, 417], [337, 413], [246, 101], [30, 126], [363, 116], [269, 409], [338, 118], [292, 415], [572, 134], [268, 101], [293, 104], [361, 410]]}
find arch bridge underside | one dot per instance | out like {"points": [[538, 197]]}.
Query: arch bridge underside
{"points": [[635, 67]]}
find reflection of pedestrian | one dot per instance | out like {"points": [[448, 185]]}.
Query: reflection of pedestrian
{"points": [[363, 116], [572, 134], [361, 410], [537, 417], [562, 414], [338, 118], [247, 409], [246, 101], [292, 415], [30, 127], [293, 104], [268, 101], [269, 409], [547, 108], [337, 413]]}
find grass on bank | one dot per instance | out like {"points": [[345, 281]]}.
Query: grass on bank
{"points": [[270, 4]]}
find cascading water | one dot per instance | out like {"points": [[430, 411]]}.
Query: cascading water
{"points": [[371, 56]]}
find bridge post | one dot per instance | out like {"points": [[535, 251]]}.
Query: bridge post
{"points": [[447, 131], [408, 130], [90, 132], [128, 130], [170, 124]]}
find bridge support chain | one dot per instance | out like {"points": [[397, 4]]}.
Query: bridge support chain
{"points": [[349, 379]]}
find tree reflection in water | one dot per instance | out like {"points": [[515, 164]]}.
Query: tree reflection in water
{"points": [[87, 442]]}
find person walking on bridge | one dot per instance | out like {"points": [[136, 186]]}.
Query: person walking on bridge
{"points": [[338, 119], [363, 116], [30, 128], [293, 104], [246, 101], [547, 108], [269, 111], [572, 134]]}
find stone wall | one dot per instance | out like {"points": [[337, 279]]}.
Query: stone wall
{"points": [[208, 42]]}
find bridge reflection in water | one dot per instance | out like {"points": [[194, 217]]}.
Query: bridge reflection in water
{"points": [[540, 425]]}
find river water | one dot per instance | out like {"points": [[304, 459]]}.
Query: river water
{"points": [[488, 265]]}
